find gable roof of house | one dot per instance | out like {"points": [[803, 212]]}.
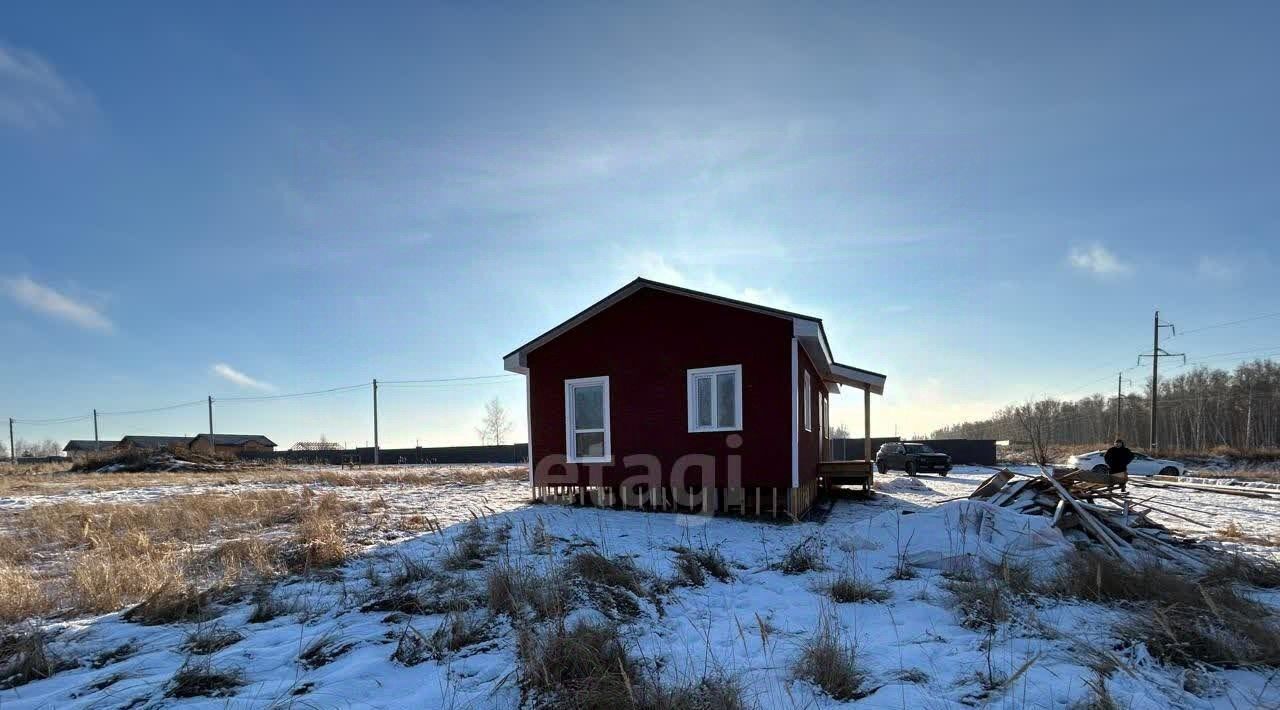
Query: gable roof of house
{"points": [[154, 442], [235, 439], [807, 329], [87, 445]]}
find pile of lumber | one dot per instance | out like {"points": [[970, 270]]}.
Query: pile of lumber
{"points": [[1090, 510]]}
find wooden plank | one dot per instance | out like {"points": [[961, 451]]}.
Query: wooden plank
{"points": [[1098, 529], [993, 484], [1226, 490], [1008, 492]]}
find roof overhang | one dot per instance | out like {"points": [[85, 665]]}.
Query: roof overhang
{"points": [[811, 336], [806, 329]]}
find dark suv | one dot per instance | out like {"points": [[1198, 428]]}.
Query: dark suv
{"points": [[912, 458]]}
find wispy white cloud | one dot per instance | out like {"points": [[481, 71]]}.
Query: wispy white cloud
{"points": [[33, 95], [236, 377], [1218, 268], [1097, 259], [52, 303]]}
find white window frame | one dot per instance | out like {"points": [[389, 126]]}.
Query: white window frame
{"points": [[808, 402], [691, 396], [571, 441]]}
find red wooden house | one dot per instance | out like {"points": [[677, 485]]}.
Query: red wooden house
{"points": [[662, 397]]}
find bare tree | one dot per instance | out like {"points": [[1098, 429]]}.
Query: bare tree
{"points": [[1035, 419], [47, 447], [1200, 410], [495, 426], [840, 432]]}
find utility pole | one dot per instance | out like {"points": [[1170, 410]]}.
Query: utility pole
{"points": [[375, 421], [1119, 401], [13, 454], [1156, 354], [95, 430], [212, 448]]}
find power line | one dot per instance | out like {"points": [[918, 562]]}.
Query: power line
{"points": [[504, 375], [166, 408], [1211, 356], [44, 422], [425, 383], [291, 395], [1228, 323]]}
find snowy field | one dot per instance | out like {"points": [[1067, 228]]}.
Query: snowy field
{"points": [[914, 648]]}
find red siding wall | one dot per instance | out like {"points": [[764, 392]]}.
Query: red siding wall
{"points": [[809, 441], [645, 343]]}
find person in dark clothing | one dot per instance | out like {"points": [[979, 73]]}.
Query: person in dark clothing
{"points": [[1118, 458]]}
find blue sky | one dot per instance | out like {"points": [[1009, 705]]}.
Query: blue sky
{"points": [[984, 203]]}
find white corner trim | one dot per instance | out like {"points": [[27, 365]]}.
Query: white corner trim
{"points": [[568, 421], [691, 398], [528, 421], [795, 417]]}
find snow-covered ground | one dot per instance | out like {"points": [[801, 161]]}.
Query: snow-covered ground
{"points": [[916, 634]]}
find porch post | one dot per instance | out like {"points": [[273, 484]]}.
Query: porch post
{"points": [[866, 424]]}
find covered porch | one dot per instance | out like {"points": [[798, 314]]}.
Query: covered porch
{"points": [[848, 471]]}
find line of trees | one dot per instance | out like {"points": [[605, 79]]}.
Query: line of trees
{"points": [[1198, 411], [23, 447]]}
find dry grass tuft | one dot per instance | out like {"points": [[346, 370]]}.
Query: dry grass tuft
{"points": [[319, 538], [607, 571], [830, 662], [110, 576], [693, 566], [202, 679], [689, 572], [715, 692], [847, 588], [412, 648], [203, 641], [267, 606], [1099, 697], [458, 631], [586, 666], [804, 556], [520, 591], [170, 604], [21, 595], [1241, 569], [912, 675], [247, 559], [1181, 620], [469, 549], [981, 601], [322, 650], [25, 657]]}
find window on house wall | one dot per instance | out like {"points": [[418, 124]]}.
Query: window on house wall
{"points": [[824, 421], [586, 413], [808, 402], [715, 398]]}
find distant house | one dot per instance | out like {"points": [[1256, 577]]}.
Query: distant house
{"points": [[134, 441], [316, 446], [80, 448], [233, 444], [658, 396]]}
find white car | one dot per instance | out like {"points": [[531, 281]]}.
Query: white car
{"points": [[1142, 465]]}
